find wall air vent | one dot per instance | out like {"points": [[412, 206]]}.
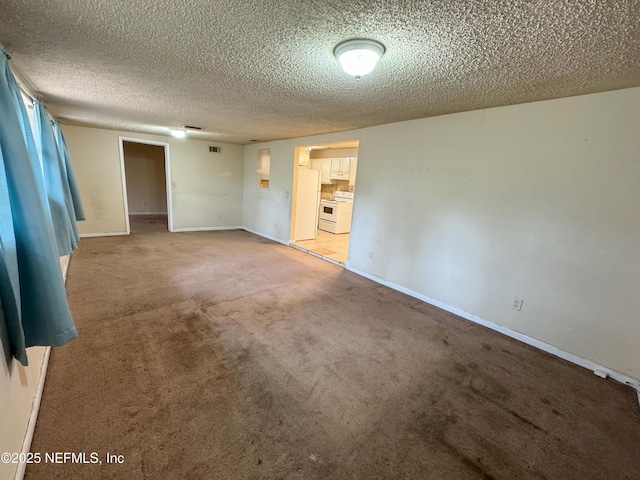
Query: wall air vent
{"points": [[215, 149]]}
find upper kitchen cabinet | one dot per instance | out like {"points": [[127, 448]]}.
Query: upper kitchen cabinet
{"points": [[324, 166], [353, 165], [340, 168], [334, 169]]}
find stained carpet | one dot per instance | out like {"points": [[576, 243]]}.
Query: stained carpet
{"points": [[222, 355], [148, 223]]}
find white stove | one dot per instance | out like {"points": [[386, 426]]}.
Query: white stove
{"points": [[339, 197], [343, 197], [335, 215]]}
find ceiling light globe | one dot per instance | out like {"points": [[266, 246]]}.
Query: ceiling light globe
{"points": [[177, 133], [359, 57]]}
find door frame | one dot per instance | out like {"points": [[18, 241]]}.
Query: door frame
{"points": [[167, 172], [299, 151]]}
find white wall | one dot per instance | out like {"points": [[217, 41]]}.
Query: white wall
{"points": [[206, 187], [268, 211], [537, 201], [146, 178], [95, 157]]}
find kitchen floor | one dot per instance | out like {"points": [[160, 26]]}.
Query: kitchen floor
{"points": [[333, 246]]}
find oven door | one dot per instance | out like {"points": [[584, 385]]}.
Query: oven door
{"points": [[328, 212]]}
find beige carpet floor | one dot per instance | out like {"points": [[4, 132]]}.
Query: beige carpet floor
{"points": [[148, 223], [222, 355]]}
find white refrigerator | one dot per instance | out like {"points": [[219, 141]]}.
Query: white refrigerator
{"points": [[307, 204]]}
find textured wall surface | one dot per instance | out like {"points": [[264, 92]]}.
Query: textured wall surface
{"points": [[266, 70]]}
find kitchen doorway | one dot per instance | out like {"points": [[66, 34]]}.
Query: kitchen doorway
{"points": [[324, 183], [146, 185]]}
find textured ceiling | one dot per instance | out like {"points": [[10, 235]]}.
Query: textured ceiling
{"points": [[264, 70]]}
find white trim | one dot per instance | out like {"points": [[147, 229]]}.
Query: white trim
{"points": [[274, 239], [598, 369], [311, 252], [175, 230], [167, 173], [65, 268], [35, 409], [203, 229], [109, 234], [124, 187], [133, 214]]}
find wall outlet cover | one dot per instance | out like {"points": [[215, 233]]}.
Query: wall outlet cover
{"points": [[516, 304]]}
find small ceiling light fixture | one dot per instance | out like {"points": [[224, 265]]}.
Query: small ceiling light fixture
{"points": [[177, 133], [359, 56]]}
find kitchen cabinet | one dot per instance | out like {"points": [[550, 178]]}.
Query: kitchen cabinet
{"points": [[324, 166], [340, 168], [352, 172]]}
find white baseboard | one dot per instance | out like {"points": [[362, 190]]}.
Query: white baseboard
{"points": [[109, 234], [146, 213], [33, 417], [598, 369], [203, 229], [274, 239]]}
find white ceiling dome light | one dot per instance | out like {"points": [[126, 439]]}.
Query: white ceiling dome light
{"points": [[176, 132], [359, 56]]}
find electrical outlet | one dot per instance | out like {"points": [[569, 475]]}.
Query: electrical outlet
{"points": [[370, 255], [145, 203], [516, 304]]}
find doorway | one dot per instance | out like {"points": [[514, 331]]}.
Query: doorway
{"points": [[146, 185], [322, 200]]}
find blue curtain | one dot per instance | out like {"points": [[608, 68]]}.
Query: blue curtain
{"points": [[55, 182], [32, 293], [9, 285], [63, 153]]}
